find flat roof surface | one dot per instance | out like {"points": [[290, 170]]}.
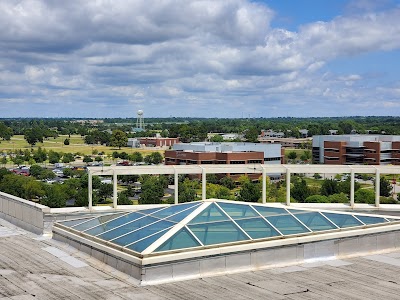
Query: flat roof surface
{"points": [[36, 267]]}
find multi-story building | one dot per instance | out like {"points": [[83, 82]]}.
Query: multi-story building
{"points": [[356, 149], [224, 153], [152, 142]]}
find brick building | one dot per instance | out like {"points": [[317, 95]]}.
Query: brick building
{"points": [[356, 149], [224, 153]]}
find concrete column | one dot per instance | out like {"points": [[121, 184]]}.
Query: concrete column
{"points": [[203, 184], [352, 188], [90, 190], [176, 180], [115, 191], [377, 187], [264, 186], [287, 187]]}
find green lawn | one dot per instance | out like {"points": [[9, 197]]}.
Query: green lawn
{"points": [[76, 145]]}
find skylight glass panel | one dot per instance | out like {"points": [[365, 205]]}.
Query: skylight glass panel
{"points": [[238, 211], [129, 227], [315, 221], [142, 233], [180, 240], [211, 214], [114, 223], [342, 220], [95, 222], [257, 228], [217, 233], [72, 223], [371, 220], [143, 244], [287, 224], [149, 211], [188, 208], [270, 211]]}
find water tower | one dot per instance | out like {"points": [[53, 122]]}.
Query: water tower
{"points": [[140, 120]]}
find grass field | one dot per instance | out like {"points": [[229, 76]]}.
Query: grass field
{"points": [[76, 145]]}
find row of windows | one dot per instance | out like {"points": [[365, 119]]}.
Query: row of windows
{"points": [[272, 158]]}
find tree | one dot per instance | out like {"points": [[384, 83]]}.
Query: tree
{"points": [[250, 192], [152, 191], [292, 155], [154, 158], [105, 191], [212, 178], [87, 159], [338, 198], [66, 142], [35, 171], [33, 189], [54, 157], [186, 191], [316, 199], [227, 182], [3, 160], [251, 135], [329, 187], [306, 156], [5, 132], [123, 199], [217, 138], [385, 187], [68, 157], [136, 157], [364, 196], [344, 186], [33, 136], [46, 174], [119, 139], [300, 190], [40, 155]]}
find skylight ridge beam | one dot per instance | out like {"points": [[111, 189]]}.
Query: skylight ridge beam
{"points": [[329, 220], [151, 248]]}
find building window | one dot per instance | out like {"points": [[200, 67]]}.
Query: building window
{"points": [[254, 161], [272, 158], [237, 162], [206, 162]]}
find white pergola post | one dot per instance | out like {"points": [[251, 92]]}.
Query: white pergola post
{"points": [[287, 186], [176, 180], [377, 187], [203, 184], [352, 188], [90, 190], [264, 186], [115, 191]]}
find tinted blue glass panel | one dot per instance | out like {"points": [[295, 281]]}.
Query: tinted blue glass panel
{"points": [[270, 211], [180, 216], [343, 221], [315, 221], [114, 223], [217, 233], [96, 221], [371, 220], [74, 222], [129, 227], [257, 228], [180, 240], [175, 209], [142, 233], [237, 211], [150, 210], [287, 224], [210, 214], [143, 244]]}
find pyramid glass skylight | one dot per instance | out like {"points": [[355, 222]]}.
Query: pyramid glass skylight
{"points": [[204, 224]]}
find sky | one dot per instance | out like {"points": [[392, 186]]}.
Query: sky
{"points": [[200, 58]]}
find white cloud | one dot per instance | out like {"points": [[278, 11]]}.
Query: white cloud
{"points": [[194, 54]]}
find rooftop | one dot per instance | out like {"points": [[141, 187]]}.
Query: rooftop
{"points": [[36, 267]]}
